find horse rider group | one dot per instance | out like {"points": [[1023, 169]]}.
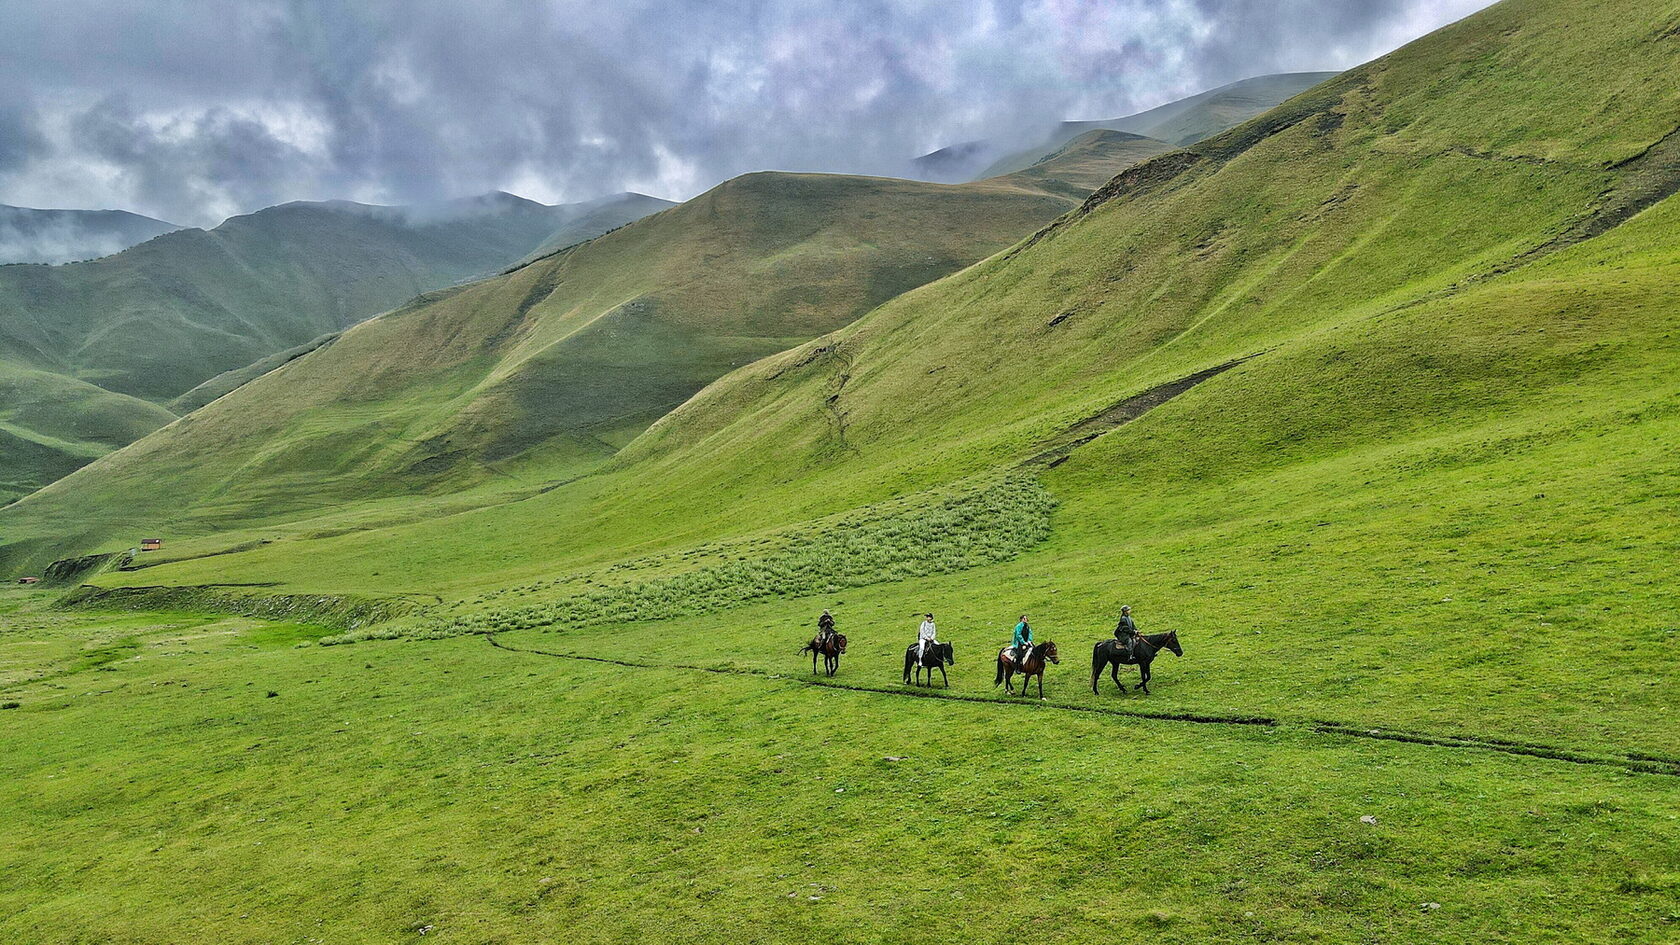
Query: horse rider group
{"points": [[1125, 631]]}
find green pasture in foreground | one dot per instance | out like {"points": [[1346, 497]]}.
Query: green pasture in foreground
{"points": [[476, 794]]}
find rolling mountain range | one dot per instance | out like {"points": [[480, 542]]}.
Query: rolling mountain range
{"points": [[95, 352], [548, 369], [1341, 248], [173, 324]]}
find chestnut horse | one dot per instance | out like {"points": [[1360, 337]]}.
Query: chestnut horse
{"points": [[1031, 665], [829, 649]]}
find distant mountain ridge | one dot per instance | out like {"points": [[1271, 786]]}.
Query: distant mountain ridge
{"points": [[150, 323], [1178, 123], [546, 370], [29, 235]]}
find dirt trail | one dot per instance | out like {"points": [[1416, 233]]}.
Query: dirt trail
{"points": [[1627, 761], [1123, 413]]}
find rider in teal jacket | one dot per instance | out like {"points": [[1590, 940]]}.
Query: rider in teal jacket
{"points": [[1022, 640]]}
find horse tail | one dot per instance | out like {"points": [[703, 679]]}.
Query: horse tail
{"points": [[907, 659], [999, 680], [1097, 661]]}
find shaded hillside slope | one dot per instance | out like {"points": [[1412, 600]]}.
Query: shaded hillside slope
{"points": [[585, 221], [51, 424], [156, 320], [1088, 161], [529, 376], [1457, 304], [28, 235]]}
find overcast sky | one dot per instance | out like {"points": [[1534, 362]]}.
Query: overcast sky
{"points": [[192, 110]]}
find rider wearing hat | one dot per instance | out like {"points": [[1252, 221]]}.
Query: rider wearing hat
{"points": [[925, 636], [1126, 631]]}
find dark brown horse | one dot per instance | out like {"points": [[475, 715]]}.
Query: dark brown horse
{"points": [[829, 649], [1112, 653], [938, 656], [1031, 665]]}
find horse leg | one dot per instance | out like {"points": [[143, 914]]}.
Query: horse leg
{"points": [[1114, 671], [1041, 685], [941, 676], [1143, 672]]}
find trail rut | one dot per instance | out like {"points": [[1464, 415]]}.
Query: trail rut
{"points": [[1637, 762]]}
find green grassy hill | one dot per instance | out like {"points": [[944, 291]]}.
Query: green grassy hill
{"points": [[156, 320], [28, 235], [1372, 399], [536, 375]]}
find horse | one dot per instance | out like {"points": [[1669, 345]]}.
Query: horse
{"points": [[1111, 654], [1031, 665], [829, 649], [938, 656]]}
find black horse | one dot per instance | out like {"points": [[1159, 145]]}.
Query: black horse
{"points": [[938, 656], [1112, 653], [830, 649]]}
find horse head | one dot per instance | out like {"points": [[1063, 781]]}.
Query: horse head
{"points": [[840, 642], [945, 652], [1048, 650], [1171, 643]]}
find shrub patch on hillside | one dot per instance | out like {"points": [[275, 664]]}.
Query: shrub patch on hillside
{"points": [[873, 545]]}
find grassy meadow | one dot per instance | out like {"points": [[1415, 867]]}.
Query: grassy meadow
{"points": [[259, 791]]}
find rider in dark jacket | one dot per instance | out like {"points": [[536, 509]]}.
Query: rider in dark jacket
{"points": [[1126, 631], [825, 627]]}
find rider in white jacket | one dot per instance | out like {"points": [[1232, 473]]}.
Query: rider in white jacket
{"points": [[924, 636]]}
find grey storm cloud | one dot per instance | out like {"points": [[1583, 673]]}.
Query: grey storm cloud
{"points": [[194, 110]]}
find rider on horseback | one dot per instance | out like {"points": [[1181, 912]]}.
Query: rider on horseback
{"points": [[924, 637], [825, 628], [1126, 631], [1022, 641]]}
